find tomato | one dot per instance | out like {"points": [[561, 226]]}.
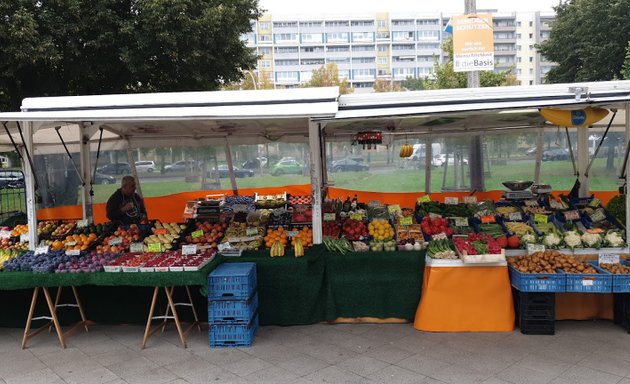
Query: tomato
{"points": [[502, 241], [513, 241]]}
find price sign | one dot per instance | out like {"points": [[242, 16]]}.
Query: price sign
{"points": [[531, 203], [82, 223], [394, 208], [356, 216], [451, 200], [572, 215], [598, 215], [224, 247], [608, 258], [594, 203], [461, 222], [115, 241], [24, 238], [71, 243], [540, 218], [41, 250], [406, 220], [532, 247], [155, 247], [4, 234], [434, 215], [587, 282], [470, 199], [136, 248], [189, 249], [330, 216], [292, 233], [486, 219], [515, 216], [424, 199], [197, 234], [251, 231], [555, 204], [160, 231], [73, 252]]}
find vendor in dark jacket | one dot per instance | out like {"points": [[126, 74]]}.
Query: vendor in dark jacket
{"points": [[125, 206]]}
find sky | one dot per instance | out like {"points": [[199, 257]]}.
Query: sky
{"points": [[416, 6]]}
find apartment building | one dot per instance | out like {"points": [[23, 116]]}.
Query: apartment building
{"points": [[387, 46]]}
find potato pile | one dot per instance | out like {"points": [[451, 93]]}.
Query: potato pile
{"points": [[548, 262], [616, 268]]}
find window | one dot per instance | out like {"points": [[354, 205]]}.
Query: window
{"points": [[428, 22], [362, 48], [264, 38], [311, 24], [504, 35], [406, 59], [531, 35], [338, 48], [518, 47], [425, 58], [531, 23], [403, 35], [402, 47], [287, 76], [337, 23], [264, 50], [364, 73], [286, 37], [518, 35], [312, 50], [518, 23], [363, 85], [402, 22], [382, 60], [428, 46], [403, 72], [362, 23], [338, 60], [531, 46], [518, 59], [312, 62], [337, 37], [382, 35], [344, 74], [531, 59], [531, 82], [363, 60], [504, 47], [312, 38], [382, 24], [382, 72], [285, 24], [249, 38], [531, 71], [286, 49], [423, 71], [518, 71], [383, 48], [282, 63], [264, 63], [362, 36], [263, 25], [428, 35]]}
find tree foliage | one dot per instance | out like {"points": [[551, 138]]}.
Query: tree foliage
{"points": [[413, 84], [588, 40], [72, 47], [328, 76], [252, 81], [381, 85]]}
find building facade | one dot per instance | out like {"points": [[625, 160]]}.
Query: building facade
{"points": [[386, 46]]}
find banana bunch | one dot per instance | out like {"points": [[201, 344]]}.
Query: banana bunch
{"points": [[277, 250], [406, 150], [299, 248]]}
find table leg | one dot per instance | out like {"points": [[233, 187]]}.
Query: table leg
{"points": [[30, 317], [57, 298], [175, 317], [53, 314], [166, 311], [190, 300], [76, 298], [148, 327]]}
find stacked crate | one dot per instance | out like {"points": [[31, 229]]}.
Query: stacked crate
{"points": [[535, 312], [232, 305]]}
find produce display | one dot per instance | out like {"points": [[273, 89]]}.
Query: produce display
{"points": [[436, 225], [276, 235], [304, 236], [22, 229], [165, 234], [493, 230], [41, 263], [615, 268], [551, 261], [8, 254], [354, 230], [477, 244], [92, 262], [63, 229], [331, 229], [300, 200], [120, 240], [381, 230], [211, 234], [441, 249], [73, 242], [341, 245]]}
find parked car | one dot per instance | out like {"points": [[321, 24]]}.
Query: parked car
{"points": [[238, 172], [439, 160], [100, 178], [115, 169], [255, 163], [287, 166], [180, 166], [11, 179], [555, 154], [346, 164], [145, 166]]}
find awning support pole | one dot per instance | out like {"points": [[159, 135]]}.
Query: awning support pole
{"points": [[315, 145], [74, 165], [134, 171], [30, 183], [228, 157], [86, 173], [428, 163], [582, 160], [627, 113], [600, 144], [539, 150]]}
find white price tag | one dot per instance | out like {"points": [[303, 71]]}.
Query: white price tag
{"points": [[224, 247], [71, 243], [24, 238], [434, 215], [189, 249], [598, 215], [82, 223], [292, 233], [136, 248], [5, 234], [516, 216], [451, 200], [251, 231], [115, 241], [572, 215], [73, 252], [608, 258], [461, 222], [470, 199], [532, 247], [42, 249], [587, 282]]}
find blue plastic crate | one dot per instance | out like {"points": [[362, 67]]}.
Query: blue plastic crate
{"points": [[538, 282], [589, 282], [232, 281], [232, 311], [620, 282], [233, 335]]}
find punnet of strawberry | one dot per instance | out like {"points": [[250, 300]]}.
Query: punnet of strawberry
{"points": [[435, 225], [477, 244]]}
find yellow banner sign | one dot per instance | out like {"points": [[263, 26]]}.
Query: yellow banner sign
{"points": [[473, 43]]}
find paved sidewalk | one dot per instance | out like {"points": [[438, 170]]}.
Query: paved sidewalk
{"points": [[580, 352]]}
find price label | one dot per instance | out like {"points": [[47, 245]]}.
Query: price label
{"points": [[197, 234], [82, 223], [532, 247], [71, 243], [587, 282], [136, 248], [330, 216], [73, 252], [594, 203], [531, 203], [4, 234], [598, 215], [224, 247], [515, 216], [572, 215], [540, 218], [394, 208], [608, 258], [115, 241], [424, 199], [356, 216], [251, 231], [41, 250], [434, 215], [406, 220], [451, 200], [486, 219], [24, 238], [292, 233], [155, 247], [461, 222], [160, 231], [470, 199], [555, 204], [189, 249]]}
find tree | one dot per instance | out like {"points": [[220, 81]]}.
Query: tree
{"points": [[72, 47], [445, 77], [625, 69], [251, 81], [413, 84], [588, 40], [381, 85], [328, 76]]}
